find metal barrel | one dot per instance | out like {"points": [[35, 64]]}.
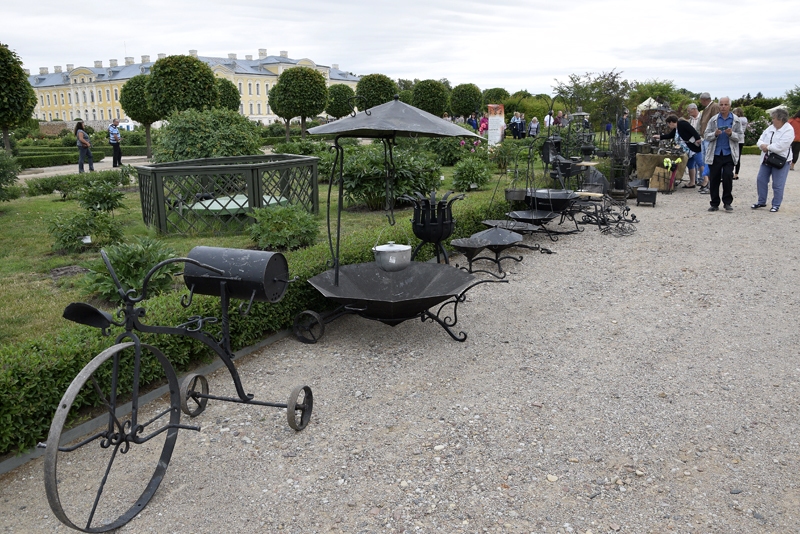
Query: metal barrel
{"points": [[245, 271]]}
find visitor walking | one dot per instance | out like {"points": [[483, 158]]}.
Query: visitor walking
{"points": [[114, 140], [84, 147], [533, 128], [776, 140]]}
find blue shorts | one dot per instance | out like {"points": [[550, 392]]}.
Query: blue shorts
{"points": [[695, 161]]}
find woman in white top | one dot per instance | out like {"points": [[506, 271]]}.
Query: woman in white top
{"points": [[777, 138]]}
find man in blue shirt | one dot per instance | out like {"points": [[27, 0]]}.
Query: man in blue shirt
{"points": [[723, 133], [114, 139]]}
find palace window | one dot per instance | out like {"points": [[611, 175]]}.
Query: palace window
{"points": [[116, 94], [48, 99], [69, 97], [259, 108], [258, 88], [91, 96], [101, 114], [240, 87], [108, 95], [251, 108], [249, 88], [117, 112], [62, 99], [100, 95], [84, 97]]}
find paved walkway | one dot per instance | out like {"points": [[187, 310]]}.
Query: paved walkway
{"points": [[58, 170]]}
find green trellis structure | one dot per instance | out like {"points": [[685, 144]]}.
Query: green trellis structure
{"points": [[216, 195]]}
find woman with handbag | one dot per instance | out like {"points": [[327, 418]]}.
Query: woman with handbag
{"points": [[776, 149], [84, 147]]}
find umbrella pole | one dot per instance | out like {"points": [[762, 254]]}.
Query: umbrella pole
{"points": [[339, 159]]}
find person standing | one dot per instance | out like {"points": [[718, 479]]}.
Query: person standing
{"points": [[483, 127], [84, 147], [624, 124], [549, 120], [723, 134], [710, 108], [559, 120], [533, 128], [472, 121], [739, 113], [695, 165], [776, 139], [114, 140], [517, 125], [795, 122]]}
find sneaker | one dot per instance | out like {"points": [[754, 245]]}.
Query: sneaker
{"points": [[704, 191], [713, 208], [728, 207]]}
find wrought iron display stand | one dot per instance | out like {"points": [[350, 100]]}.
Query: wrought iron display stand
{"points": [[106, 507], [364, 292]]}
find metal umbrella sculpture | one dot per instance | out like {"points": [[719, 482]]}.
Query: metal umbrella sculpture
{"points": [[367, 290]]}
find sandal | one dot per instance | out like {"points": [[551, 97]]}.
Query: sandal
{"points": [[686, 186], [774, 209], [756, 206]]}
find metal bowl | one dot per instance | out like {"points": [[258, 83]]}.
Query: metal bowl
{"points": [[392, 257]]}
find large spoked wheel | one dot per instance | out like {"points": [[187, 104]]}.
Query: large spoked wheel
{"points": [[99, 476], [298, 409], [308, 326], [193, 389]]}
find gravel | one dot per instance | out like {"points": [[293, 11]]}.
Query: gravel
{"points": [[639, 384]]}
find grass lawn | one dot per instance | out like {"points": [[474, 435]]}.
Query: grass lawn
{"points": [[34, 299]]}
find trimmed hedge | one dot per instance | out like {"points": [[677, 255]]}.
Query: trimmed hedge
{"points": [[53, 159], [34, 374], [269, 141], [751, 151], [129, 150]]}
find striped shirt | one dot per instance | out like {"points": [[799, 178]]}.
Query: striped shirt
{"points": [[113, 134]]}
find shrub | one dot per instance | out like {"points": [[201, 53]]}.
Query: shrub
{"points": [[68, 232], [754, 130], [100, 196], [135, 138], [69, 184], [364, 174], [53, 159], [212, 133], [469, 171], [340, 100], [9, 169], [430, 96], [131, 262], [283, 228], [303, 147]]}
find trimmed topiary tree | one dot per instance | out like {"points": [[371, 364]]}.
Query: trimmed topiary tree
{"points": [[303, 93], [495, 95], [431, 96], [178, 83], [133, 99], [211, 133], [17, 97], [466, 99], [340, 100], [407, 96], [276, 102], [228, 95], [375, 89]]}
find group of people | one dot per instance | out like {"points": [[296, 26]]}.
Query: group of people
{"points": [[714, 157], [85, 145]]}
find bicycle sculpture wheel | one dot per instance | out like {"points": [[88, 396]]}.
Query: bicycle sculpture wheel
{"points": [[99, 478]]}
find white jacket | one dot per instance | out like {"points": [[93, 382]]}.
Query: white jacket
{"points": [[779, 141]]}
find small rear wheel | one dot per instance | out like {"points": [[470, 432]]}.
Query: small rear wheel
{"points": [[299, 406], [309, 326], [194, 388]]}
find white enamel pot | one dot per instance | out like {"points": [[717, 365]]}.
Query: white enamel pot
{"points": [[392, 257]]}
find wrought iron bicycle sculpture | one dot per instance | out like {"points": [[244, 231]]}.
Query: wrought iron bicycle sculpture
{"points": [[137, 442]]}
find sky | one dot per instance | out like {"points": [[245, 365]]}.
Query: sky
{"points": [[727, 48]]}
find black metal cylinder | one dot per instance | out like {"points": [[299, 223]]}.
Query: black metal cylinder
{"points": [[245, 271]]}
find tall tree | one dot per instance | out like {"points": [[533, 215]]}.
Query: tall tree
{"points": [[406, 96], [179, 82], [133, 99], [405, 85], [465, 99], [792, 99], [430, 96], [228, 94], [276, 103], [17, 97], [304, 93], [603, 95], [375, 89], [340, 101]]}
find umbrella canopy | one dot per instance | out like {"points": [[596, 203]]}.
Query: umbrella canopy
{"points": [[393, 118]]}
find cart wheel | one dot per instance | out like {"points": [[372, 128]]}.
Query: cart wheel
{"points": [[191, 404], [308, 326], [298, 409], [102, 477]]}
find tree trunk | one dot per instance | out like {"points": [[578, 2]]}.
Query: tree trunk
{"points": [[287, 131], [147, 137], [302, 127], [6, 140]]}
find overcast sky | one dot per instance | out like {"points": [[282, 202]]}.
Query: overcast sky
{"points": [[727, 48]]}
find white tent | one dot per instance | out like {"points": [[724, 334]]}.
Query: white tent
{"points": [[779, 106], [648, 104]]}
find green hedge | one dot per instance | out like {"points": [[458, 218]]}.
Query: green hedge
{"points": [[34, 374], [53, 159], [130, 150], [269, 141], [751, 151]]}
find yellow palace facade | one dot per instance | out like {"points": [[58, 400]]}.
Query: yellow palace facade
{"points": [[92, 93]]}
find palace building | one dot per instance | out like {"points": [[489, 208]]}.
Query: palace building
{"points": [[92, 93]]}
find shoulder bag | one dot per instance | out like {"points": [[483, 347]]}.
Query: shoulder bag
{"points": [[776, 161]]}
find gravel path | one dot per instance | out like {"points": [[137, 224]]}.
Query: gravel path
{"points": [[641, 384]]}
